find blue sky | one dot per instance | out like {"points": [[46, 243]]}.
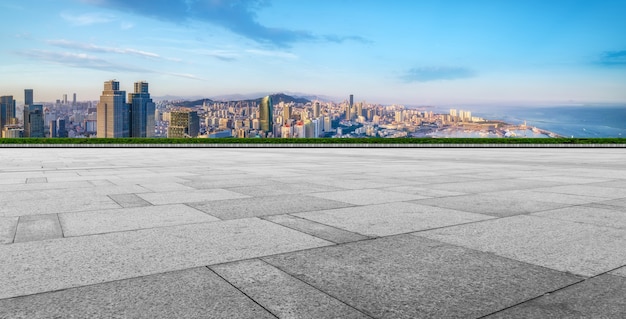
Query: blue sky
{"points": [[435, 52]]}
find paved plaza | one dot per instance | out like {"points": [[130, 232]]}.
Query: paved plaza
{"points": [[312, 233]]}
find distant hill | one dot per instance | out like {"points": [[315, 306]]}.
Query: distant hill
{"points": [[276, 98]]}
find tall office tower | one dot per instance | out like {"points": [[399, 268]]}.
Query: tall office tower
{"points": [[359, 109], [183, 123], [348, 113], [61, 130], [28, 96], [74, 99], [53, 129], [141, 111], [33, 121], [112, 112], [64, 99], [7, 110], [351, 100], [316, 109], [286, 113], [266, 114]]}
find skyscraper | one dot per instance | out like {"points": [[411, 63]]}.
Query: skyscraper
{"points": [[266, 118], [33, 121], [112, 112], [7, 110], [286, 113], [28, 97], [351, 100], [316, 109], [141, 111], [183, 123]]}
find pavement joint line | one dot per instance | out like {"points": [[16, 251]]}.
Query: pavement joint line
{"points": [[243, 292], [60, 225], [316, 288], [532, 299], [298, 230]]}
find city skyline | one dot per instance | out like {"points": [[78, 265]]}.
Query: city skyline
{"points": [[429, 53]]}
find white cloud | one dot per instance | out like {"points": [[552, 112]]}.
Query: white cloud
{"points": [[87, 18]]}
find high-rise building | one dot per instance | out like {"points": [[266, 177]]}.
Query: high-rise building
{"points": [[74, 99], [61, 130], [53, 129], [351, 100], [183, 123], [28, 97], [64, 99], [113, 112], [348, 112], [33, 121], [141, 111], [7, 110], [316, 109], [266, 114], [286, 113]]}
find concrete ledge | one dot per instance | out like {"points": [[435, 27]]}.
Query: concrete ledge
{"points": [[237, 145]]}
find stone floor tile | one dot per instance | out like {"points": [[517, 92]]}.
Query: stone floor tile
{"points": [[166, 187], [411, 277], [8, 225], [196, 196], [581, 249], [282, 294], [620, 271], [546, 197], [35, 180], [129, 200], [42, 266], [283, 189], [391, 219], [589, 215], [599, 297], [487, 186], [115, 220], [38, 227], [346, 182], [67, 203], [192, 293], [265, 206], [422, 191], [491, 205], [587, 190], [367, 196], [226, 182], [312, 228]]}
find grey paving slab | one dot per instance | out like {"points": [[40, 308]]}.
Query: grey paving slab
{"points": [[115, 220], [226, 183], [599, 297], [8, 225], [487, 186], [568, 179], [411, 277], [619, 272], [582, 249], [422, 191], [179, 197], [367, 196], [391, 219], [10, 181], [166, 187], [193, 293], [68, 202], [101, 182], [278, 188], [619, 204], [589, 215], [282, 294], [491, 205], [42, 266], [325, 232], [619, 183], [547, 197], [347, 183], [588, 190], [35, 180], [38, 227], [265, 206], [129, 200], [46, 186]]}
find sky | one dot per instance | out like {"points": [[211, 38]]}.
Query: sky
{"points": [[422, 52]]}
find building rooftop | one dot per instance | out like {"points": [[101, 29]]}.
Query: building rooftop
{"points": [[312, 233]]}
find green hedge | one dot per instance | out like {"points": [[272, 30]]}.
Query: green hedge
{"points": [[314, 141]]}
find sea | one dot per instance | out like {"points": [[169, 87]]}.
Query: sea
{"points": [[567, 121]]}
